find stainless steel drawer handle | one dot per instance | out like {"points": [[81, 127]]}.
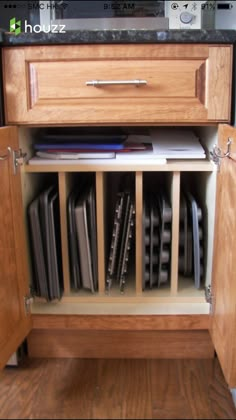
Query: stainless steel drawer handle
{"points": [[98, 83], [5, 157]]}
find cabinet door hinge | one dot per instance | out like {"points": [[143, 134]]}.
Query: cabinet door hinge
{"points": [[19, 158], [208, 294], [217, 155], [28, 300], [215, 158]]}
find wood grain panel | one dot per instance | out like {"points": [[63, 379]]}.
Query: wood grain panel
{"points": [[163, 79], [201, 83], [13, 266], [219, 105], [120, 344], [183, 84], [13, 87], [121, 322], [118, 51], [224, 269]]}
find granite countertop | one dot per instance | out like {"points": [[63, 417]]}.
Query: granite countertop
{"points": [[121, 36]]}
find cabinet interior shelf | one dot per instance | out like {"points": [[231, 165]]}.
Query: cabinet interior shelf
{"points": [[113, 166]]}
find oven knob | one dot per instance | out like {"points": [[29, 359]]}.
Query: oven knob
{"points": [[186, 17]]}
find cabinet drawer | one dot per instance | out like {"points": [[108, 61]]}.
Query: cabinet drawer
{"points": [[179, 83]]}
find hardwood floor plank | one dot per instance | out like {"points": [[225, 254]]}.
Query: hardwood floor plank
{"points": [[19, 387], [115, 388], [168, 398], [69, 389], [123, 390], [195, 380], [222, 406]]}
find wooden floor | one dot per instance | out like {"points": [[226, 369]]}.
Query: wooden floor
{"points": [[115, 389]]}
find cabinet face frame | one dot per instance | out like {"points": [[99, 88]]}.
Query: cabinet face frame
{"points": [[14, 281]]}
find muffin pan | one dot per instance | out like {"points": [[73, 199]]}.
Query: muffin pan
{"points": [[157, 215]]}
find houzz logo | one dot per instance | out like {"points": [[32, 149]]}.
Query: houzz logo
{"points": [[16, 27]]}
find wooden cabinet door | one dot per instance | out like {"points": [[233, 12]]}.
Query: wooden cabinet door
{"points": [[14, 322], [57, 84], [224, 267]]}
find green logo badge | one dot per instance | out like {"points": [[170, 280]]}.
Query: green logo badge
{"points": [[15, 26]]}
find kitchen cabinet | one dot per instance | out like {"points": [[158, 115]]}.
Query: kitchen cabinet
{"points": [[38, 93], [58, 83]]}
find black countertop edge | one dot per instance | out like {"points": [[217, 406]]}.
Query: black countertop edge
{"points": [[121, 36]]}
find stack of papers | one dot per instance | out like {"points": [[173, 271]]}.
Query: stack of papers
{"points": [[176, 143], [167, 143]]}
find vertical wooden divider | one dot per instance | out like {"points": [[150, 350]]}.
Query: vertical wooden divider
{"points": [[138, 231], [100, 198], [175, 201], [64, 182]]}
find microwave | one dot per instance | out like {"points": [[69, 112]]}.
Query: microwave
{"points": [[104, 14], [128, 14]]}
